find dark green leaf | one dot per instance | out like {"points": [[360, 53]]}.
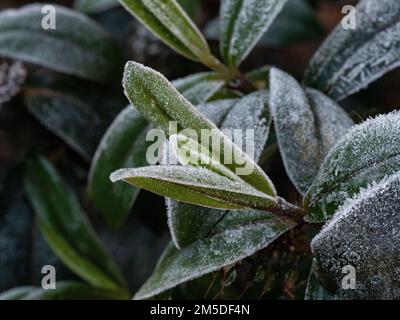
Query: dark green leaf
{"points": [[77, 45], [66, 228], [123, 145], [239, 238], [351, 59], [366, 154], [243, 22], [94, 6], [67, 117]]}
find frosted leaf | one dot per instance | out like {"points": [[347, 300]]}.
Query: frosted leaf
{"points": [[67, 117], [196, 186], [77, 46], [200, 87], [295, 22], [307, 125], [123, 145], [364, 233], [66, 228], [351, 59], [94, 6], [168, 21], [242, 24], [12, 77], [242, 238], [366, 154], [250, 112], [160, 102]]}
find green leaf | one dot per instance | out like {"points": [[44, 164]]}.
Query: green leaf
{"points": [[161, 103], [94, 6], [243, 22], [123, 145], [351, 59], [314, 290], [77, 46], [365, 155], [307, 125], [247, 233], [188, 222], [168, 21], [363, 234], [200, 87], [65, 290], [67, 117], [197, 186], [66, 228]]}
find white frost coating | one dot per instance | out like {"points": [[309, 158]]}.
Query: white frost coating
{"points": [[243, 22], [77, 46], [307, 125], [204, 256], [11, 79], [366, 154], [365, 233], [351, 59]]}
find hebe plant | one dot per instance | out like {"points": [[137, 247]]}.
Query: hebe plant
{"points": [[348, 175]]}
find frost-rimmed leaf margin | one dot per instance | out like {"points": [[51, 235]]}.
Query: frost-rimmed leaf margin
{"points": [[123, 145], [199, 186], [243, 22], [349, 59], [224, 247], [307, 125], [168, 21], [187, 223], [65, 227], [363, 233], [90, 53], [159, 101], [366, 154]]}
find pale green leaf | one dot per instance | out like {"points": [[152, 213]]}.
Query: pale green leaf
{"points": [[350, 59], [197, 186], [94, 6], [160, 102], [77, 46]]}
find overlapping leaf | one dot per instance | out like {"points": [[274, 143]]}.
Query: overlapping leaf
{"points": [[161, 103], [242, 24], [241, 236], [307, 125], [350, 59], [366, 154], [94, 6], [77, 45], [65, 227]]}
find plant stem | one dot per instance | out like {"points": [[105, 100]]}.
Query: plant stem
{"points": [[290, 210]]}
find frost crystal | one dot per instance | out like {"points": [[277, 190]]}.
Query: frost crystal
{"points": [[351, 59], [12, 78], [365, 234]]}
